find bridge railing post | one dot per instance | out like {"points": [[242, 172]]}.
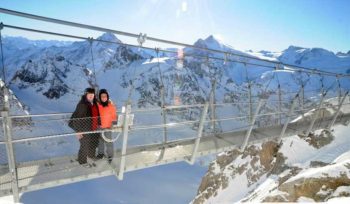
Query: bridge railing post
{"points": [[247, 136], [289, 115], [317, 112], [7, 125], [199, 133], [124, 141], [338, 110]]}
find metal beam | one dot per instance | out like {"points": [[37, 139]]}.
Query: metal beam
{"points": [[124, 142]]}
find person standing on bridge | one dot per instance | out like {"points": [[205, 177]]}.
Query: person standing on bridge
{"points": [[108, 114], [85, 118]]}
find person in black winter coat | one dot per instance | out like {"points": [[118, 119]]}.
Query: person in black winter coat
{"points": [[85, 118]]}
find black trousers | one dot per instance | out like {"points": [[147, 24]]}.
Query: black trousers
{"points": [[88, 145]]}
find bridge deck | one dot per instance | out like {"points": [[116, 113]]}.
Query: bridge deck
{"points": [[35, 175]]}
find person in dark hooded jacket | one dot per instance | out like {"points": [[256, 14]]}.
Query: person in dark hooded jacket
{"points": [[85, 118]]}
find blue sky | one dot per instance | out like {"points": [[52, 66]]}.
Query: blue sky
{"points": [[244, 24]]}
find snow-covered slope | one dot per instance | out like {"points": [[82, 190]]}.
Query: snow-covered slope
{"points": [[312, 168]]}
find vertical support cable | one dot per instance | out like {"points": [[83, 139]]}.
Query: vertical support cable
{"points": [[339, 89], [165, 131], [322, 84], [249, 95], [212, 105], [290, 112], [302, 96], [93, 62], [338, 110], [278, 67], [279, 103], [317, 111], [247, 136], [162, 95], [199, 133], [212, 95], [124, 142], [301, 100], [250, 102], [302, 93]]}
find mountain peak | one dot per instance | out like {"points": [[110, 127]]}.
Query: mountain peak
{"points": [[108, 37], [210, 42], [321, 51], [293, 47], [211, 38]]}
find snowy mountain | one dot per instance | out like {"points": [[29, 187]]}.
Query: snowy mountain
{"points": [[316, 57], [23, 43], [212, 43], [59, 74], [59, 71]]}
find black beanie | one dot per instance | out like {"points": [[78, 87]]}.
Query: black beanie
{"points": [[89, 90], [103, 91]]}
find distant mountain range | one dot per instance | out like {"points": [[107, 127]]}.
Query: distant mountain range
{"points": [[59, 71]]}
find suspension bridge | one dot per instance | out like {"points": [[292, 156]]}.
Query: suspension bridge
{"points": [[140, 145]]}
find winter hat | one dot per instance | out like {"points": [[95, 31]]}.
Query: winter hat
{"points": [[89, 90], [103, 91]]}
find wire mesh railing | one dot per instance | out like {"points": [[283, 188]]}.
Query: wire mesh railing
{"points": [[33, 128], [5, 177], [48, 144]]}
